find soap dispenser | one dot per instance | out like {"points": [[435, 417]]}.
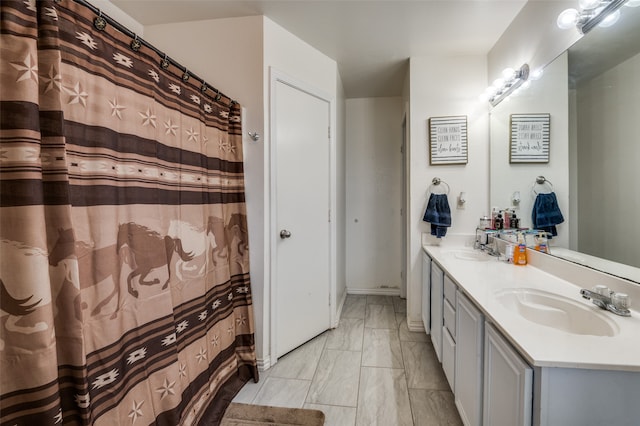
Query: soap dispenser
{"points": [[520, 255]]}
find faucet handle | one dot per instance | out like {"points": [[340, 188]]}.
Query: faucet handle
{"points": [[602, 290], [621, 300]]}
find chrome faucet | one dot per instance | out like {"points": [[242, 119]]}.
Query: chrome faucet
{"points": [[486, 241], [604, 298]]}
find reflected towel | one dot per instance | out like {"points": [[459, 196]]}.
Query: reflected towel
{"points": [[438, 214], [546, 213]]}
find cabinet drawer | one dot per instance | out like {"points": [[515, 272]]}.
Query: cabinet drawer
{"points": [[450, 289], [449, 314], [449, 358]]}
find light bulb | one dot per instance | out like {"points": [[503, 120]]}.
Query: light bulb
{"points": [[632, 3], [525, 85], [611, 19], [483, 97], [491, 90], [567, 19], [508, 74], [588, 4], [536, 75], [498, 82]]}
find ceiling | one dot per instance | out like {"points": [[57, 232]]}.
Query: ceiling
{"points": [[371, 40]]}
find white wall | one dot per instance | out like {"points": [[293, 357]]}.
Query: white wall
{"points": [[290, 55], [609, 153], [235, 68], [235, 55], [113, 11], [440, 86], [547, 95], [533, 38], [341, 202], [374, 182]]}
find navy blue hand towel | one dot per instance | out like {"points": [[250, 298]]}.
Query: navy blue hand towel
{"points": [[438, 214], [546, 213]]}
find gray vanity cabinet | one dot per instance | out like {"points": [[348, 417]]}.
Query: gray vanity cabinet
{"points": [[508, 383], [437, 296], [469, 361], [426, 292]]}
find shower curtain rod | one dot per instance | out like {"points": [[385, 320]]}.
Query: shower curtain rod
{"points": [[164, 57]]}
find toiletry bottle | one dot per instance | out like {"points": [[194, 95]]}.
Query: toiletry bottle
{"points": [[494, 215], [499, 222], [514, 221], [541, 242], [506, 219], [520, 255]]}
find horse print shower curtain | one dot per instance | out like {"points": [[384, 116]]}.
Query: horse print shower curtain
{"points": [[125, 294]]}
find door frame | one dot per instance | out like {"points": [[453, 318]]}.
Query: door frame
{"points": [[276, 76]]}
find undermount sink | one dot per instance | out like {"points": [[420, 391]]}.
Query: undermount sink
{"points": [[470, 255], [558, 312]]}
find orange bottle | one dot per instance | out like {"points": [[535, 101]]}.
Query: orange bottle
{"points": [[520, 252]]}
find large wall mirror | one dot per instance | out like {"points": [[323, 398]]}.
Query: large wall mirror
{"points": [[592, 93]]}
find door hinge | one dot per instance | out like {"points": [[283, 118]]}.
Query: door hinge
{"points": [[329, 218], [329, 132]]}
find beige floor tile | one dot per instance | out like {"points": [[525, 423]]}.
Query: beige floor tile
{"points": [[432, 407], [400, 305], [383, 399], [336, 380], [381, 348], [380, 316], [347, 336], [334, 415], [279, 392], [300, 363], [422, 367], [409, 336], [379, 300], [251, 389], [354, 307]]}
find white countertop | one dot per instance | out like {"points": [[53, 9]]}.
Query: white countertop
{"points": [[541, 346]]}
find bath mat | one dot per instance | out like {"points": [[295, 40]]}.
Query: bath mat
{"points": [[261, 415]]}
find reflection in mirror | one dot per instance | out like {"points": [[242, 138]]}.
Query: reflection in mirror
{"points": [[593, 95]]}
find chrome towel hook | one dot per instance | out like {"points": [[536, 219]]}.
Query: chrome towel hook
{"points": [[436, 181]]}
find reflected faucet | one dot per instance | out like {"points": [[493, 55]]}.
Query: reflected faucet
{"points": [[604, 298]]}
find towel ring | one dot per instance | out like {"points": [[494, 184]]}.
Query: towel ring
{"points": [[541, 180], [437, 181]]}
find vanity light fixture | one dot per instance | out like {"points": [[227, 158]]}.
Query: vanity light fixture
{"points": [[502, 87], [593, 12]]}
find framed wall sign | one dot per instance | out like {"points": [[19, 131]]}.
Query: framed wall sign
{"points": [[448, 140], [529, 138]]}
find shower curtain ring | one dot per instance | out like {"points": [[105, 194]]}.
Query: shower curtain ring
{"points": [[185, 76], [100, 23], [204, 87], [135, 43], [218, 95], [164, 63]]}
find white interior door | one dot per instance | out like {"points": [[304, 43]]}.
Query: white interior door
{"points": [[302, 234]]}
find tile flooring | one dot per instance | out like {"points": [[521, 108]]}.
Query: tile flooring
{"points": [[371, 370]]}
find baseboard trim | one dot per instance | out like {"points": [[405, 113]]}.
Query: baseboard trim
{"points": [[263, 363], [394, 291], [416, 326], [339, 310]]}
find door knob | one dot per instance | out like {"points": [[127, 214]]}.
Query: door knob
{"points": [[285, 234]]}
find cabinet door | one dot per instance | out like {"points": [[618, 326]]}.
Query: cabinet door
{"points": [[426, 292], [469, 354], [508, 383], [437, 277]]}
